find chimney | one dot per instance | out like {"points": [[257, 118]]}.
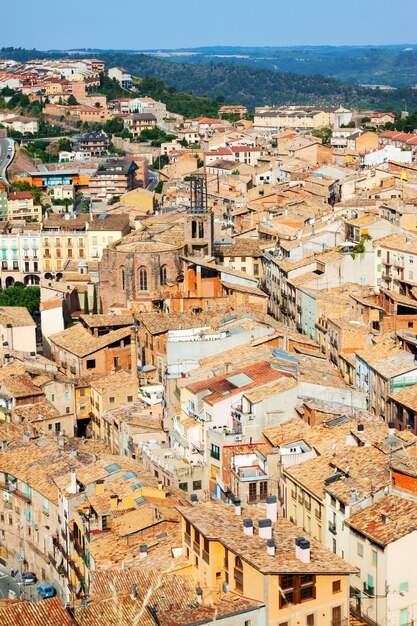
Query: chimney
{"points": [[72, 488], [4, 445], [25, 437], [134, 595], [271, 508], [143, 551], [265, 529], [227, 366], [193, 497], [270, 546], [361, 428], [248, 526], [238, 507], [303, 550], [160, 485], [199, 593], [391, 428]]}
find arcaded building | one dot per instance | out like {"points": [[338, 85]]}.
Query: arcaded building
{"points": [[139, 266]]}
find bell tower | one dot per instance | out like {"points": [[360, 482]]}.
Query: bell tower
{"points": [[198, 226]]}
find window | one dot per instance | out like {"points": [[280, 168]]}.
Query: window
{"points": [[183, 486], [130, 398], [238, 573], [82, 406], [358, 573], [263, 490], [143, 279], [67, 395], [91, 364], [256, 269], [360, 549], [163, 274], [123, 279], [374, 558], [53, 397], [252, 491], [311, 619], [248, 622], [403, 587], [336, 586], [112, 399], [82, 392], [116, 361], [215, 452], [196, 485]]}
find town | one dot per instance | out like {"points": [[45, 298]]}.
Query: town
{"points": [[208, 367]]}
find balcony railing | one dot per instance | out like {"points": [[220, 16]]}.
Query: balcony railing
{"points": [[332, 528], [370, 591]]}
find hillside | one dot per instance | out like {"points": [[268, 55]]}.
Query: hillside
{"points": [[382, 65], [253, 86], [248, 85]]}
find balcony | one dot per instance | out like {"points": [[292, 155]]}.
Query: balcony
{"points": [[7, 505], [370, 591], [318, 514], [11, 488], [332, 528]]}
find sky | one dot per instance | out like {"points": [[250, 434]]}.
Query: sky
{"points": [[142, 24]]}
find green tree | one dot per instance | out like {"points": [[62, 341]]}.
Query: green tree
{"points": [[86, 309], [71, 101], [19, 295], [95, 306], [159, 187]]}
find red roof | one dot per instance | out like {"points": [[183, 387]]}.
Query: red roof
{"points": [[379, 115], [19, 195], [246, 149]]}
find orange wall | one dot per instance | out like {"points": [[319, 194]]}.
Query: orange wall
{"points": [[405, 482]]}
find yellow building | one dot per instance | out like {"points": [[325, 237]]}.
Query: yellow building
{"points": [[20, 207], [107, 393], [254, 555]]}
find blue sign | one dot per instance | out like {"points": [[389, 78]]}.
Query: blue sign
{"points": [[21, 559]]}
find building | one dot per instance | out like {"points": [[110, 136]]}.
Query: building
{"points": [[122, 76], [21, 207], [138, 122], [20, 257], [113, 177], [382, 537], [93, 144], [272, 562], [17, 329], [80, 354]]}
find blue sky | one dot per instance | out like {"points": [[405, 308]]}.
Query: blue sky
{"points": [[141, 24]]}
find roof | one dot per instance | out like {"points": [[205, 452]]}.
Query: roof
{"points": [[104, 321], [172, 595], [79, 341], [219, 522], [245, 247], [235, 381], [386, 521], [48, 612], [16, 316], [266, 391]]}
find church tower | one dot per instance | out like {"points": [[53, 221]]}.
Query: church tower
{"points": [[198, 226]]}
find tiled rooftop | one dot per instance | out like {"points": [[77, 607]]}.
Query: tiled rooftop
{"points": [[49, 612], [218, 522], [386, 521], [79, 341]]}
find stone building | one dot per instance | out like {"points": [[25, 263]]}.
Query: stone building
{"points": [[135, 268]]}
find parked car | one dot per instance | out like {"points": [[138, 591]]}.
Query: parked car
{"points": [[29, 578], [46, 591], [9, 148]]}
